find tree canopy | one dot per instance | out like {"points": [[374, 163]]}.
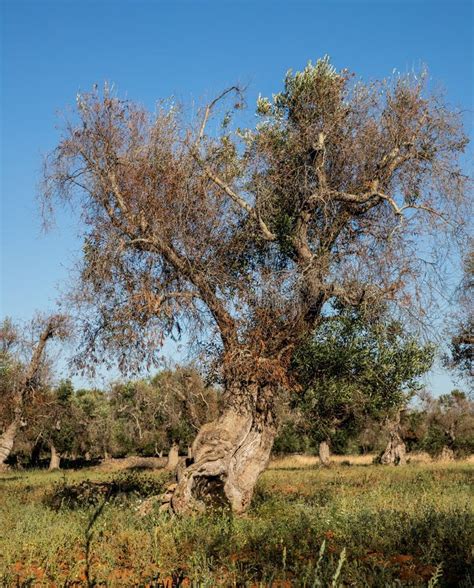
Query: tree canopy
{"points": [[356, 368], [253, 231]]}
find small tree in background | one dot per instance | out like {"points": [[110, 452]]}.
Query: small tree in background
{"points": [[24, 369], [356, 367], [187, 403], [151, 416], [94, 414], [449, 425], [61, 425]]}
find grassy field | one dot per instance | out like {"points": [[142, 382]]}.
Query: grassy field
{"points": [[347, 525]]}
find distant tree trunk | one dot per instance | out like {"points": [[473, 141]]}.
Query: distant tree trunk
{"points": [[395, 452], [229, 454], [324, 453], [7, 440], [173, 457], [447, 453], [55, 461]]}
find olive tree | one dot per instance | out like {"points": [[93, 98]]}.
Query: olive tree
{"points": [[59, 422], [449, 424], [361, 365], [23, 369], [243, 236], [152, 415]]}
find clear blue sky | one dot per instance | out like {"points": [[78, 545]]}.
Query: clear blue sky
{"points": [[189, 49]]}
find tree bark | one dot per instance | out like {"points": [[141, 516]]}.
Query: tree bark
{"points": [[395, 452], [8, 437], [229, 454], [324, 453], [173, 457], [55, 461], [7, 440]]}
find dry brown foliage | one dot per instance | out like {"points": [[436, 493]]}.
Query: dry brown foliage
{"points": [[244, 238]]}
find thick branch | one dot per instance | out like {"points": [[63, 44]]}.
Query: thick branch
{"points": [[241, 202], [223, 319], [209, 108], [35, 362]]}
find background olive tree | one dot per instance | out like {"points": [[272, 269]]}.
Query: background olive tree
{"points": [[358, 367], [24, 369]]}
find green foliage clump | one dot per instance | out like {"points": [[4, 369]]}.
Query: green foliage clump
{"points": [[125, 487], [356, 368]]}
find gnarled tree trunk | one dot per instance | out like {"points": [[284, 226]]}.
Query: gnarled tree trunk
{"points": [[228, 455], [395, 452], [55, 461], [324, 453], [25, 386]]}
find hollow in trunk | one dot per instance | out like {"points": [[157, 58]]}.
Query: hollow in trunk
{"points": [[228, 455]]}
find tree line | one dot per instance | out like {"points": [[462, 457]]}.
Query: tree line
{"points": [[357, 377]]}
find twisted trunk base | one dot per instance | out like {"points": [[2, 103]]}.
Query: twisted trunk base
{"points": [[228, 456], [395, 452]]}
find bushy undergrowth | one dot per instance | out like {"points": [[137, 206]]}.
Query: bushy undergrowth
{"points": [[124, 487], [358, 526]]}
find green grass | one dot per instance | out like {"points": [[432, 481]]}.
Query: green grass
{"points": [[342, 526]]}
